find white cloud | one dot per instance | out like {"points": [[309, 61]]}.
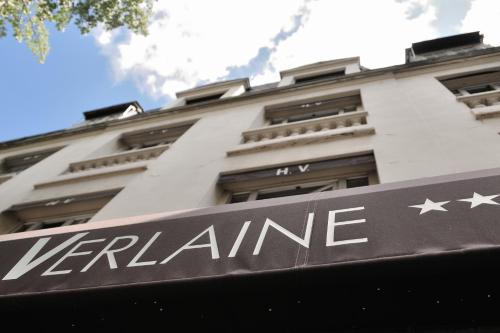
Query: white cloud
{"points": [[104, 37], [194, 41], [484, 16], [377, 31], [190, 41]]}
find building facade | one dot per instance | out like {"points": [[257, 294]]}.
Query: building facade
{"points": [[328, 126], [407, 118]]}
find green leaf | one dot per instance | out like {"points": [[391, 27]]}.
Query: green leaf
{"points": [[28, 18]]}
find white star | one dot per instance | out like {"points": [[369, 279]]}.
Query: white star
{"points": [[478, 199], [429, 205]]}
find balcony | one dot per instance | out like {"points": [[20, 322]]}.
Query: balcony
{"points": [[484, 104], [304, 132], [119, 159]]}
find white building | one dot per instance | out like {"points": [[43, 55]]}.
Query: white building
{"points": [[326, 126]]}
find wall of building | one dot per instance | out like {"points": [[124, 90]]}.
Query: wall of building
{"points": [[421, 130]]}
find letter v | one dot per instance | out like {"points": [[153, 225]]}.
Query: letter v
{"points": [[26, 264]]}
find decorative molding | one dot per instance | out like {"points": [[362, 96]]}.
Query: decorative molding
{"points": [[117, 159], [303, 139], [483, 105], [349, 119], [71, 178]]}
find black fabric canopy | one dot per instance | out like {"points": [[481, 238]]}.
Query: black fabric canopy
{"points": [[418, 255]]}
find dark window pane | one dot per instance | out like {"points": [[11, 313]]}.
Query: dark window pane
{"points": [[203, 99], [296, 191], [81, 221], [320, 77], [476, 90], [51, 225], [149, 145], [357, 182], [307, 116], [23, 228], [277, 121], [45, 225], [241, 197]]}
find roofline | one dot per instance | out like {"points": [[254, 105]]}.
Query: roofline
{"points": [[406, 67], [461, 40], [468, 38], [213, 86], [100, 112], [319, 64]]}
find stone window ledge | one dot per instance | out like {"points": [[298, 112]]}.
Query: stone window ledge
{"points": [[303, 139]]}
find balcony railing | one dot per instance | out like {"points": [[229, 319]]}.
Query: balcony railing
{"points": [[118, 159], [305, 127], [306, 131], [483, 105]]}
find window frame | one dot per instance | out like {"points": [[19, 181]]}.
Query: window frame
{"points": [[460, 83], [318, 186], [324, 174], [38, 225], [313, 108], [319, 76], [69, 209], [204, 99], [155, 136], [15, 164]]}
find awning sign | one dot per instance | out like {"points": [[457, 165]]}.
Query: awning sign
{"points": [[441, 215]]}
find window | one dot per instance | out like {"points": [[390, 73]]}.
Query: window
{"points": [[297, 189], [480, 91], [309, 116], [311, 109], [319, 77], [297, 179], [135, 146], [307, 121], [153, 137], [17, 163], [47, 224], [57, 212], [473, 83], [113, 112], [212, 92], [197, 100]]}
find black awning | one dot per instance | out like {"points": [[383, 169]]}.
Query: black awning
{"points": [[437, 217], [419, 256]]}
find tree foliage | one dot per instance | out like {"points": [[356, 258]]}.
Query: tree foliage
{"points": [[28, 18]]}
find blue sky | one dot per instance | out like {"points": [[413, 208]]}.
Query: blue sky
{"points": [[76, 77], [192, 42]]}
